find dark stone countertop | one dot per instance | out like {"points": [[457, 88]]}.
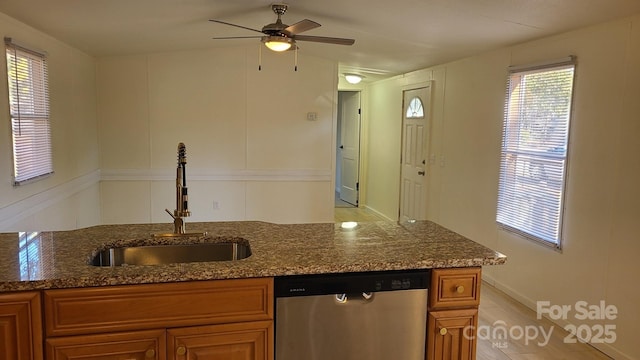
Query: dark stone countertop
{"points": [[60, 259]]}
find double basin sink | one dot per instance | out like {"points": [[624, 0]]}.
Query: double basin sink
{"points": [[172, 253]]}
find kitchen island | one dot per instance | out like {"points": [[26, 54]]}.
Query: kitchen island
{"points": [[50, 272]]}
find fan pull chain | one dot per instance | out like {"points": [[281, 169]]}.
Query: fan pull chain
{"points": [[260, 57], [295, 68]]}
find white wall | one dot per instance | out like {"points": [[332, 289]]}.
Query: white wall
{"points": [[252, 151], [602, 242], [70, 198], [250, 147], [382, 121]]}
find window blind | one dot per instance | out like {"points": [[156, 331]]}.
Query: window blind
{"points": [[533, 158], [29, 107]]}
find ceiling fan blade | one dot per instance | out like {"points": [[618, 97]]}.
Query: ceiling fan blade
{"points": [[236, 37], [324, 39], [238, 26], [301, 26]]}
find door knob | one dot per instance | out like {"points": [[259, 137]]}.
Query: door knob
{"points": [[150, 354], [443, 331], [421, 172]]}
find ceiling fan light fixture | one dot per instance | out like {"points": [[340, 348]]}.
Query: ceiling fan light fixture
{"points": [[353, 78], [278, 43]]}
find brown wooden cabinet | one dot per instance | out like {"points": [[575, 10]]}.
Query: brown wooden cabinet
{"points": [[242, 341], [139, 345], [452, 334], [453, 314], [222, 319], [20, 326]]}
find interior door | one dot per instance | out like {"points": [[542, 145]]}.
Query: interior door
{"points": [[349, 146], [413, 185]]}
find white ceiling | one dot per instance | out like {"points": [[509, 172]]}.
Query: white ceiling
{"points": [[392, 37]]}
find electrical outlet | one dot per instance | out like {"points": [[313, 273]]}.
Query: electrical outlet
{"points": [[216, 205], [312, 116], [432, 159]]}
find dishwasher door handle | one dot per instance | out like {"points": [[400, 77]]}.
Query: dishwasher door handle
{"points": [[344, 297]]}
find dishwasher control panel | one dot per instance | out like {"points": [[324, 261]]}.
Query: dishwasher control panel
{"points": [[322, 284]]}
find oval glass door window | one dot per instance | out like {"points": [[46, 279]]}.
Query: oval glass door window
{"points": [[415, 109]]}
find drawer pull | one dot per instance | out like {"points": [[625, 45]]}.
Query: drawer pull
{"points": [[181, 350], [443, 331], [459, 289], [150, 354]]}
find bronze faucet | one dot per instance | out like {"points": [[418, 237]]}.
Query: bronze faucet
{"points": [[182, 197]]}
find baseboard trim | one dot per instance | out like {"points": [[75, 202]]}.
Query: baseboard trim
{"points": [[531, 304], [379, 213]]}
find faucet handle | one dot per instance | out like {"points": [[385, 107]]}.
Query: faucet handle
{"points": [[170, 213]]}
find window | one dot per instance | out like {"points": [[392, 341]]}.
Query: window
{"points": [[29, 107], [29, 255], [533, 160], [415, 110]]}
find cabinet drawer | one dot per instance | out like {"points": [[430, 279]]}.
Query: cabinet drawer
{"points": [[455, 287], [139, 307]]}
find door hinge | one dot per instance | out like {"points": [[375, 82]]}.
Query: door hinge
{"points": [[357, 186], [359, 111]]}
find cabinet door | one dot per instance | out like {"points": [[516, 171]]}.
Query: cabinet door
{"points": [[452, 334], [241, 341], [20, 326], [136, 345]]}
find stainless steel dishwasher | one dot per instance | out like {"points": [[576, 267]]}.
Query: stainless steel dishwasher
{"points": [[353, 316]]}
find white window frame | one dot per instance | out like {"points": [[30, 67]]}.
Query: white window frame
{"points": [[27, 81], [535, 149]]}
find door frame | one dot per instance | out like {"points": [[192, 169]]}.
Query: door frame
{"points": [[428, 117]]}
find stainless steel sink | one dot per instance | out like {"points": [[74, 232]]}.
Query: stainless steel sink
{"points": [[169, 254]]}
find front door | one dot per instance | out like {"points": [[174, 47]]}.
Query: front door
{"points": [[349, 150], [413, 186]]}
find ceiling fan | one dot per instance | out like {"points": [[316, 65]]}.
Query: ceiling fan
{"points": [[278, 36]]}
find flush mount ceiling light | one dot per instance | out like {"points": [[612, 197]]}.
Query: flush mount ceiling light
{"points": [[278, 43], [353, 78]]}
